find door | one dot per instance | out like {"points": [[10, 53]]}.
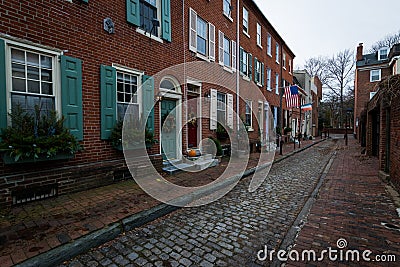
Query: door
{"points": [[192, 125], [168, 129]]}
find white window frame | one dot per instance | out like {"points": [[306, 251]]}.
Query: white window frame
{"points": [[224, 6], [284, 60], [54, 54], [245, 62], [269, 73], [225, 102], [232, 52], [210, 41], [259, 35], [269, 45], [257, 72], [277, 52], [290, 66], [246, 22], [146, 33], [371, 75], [207, 37], [382, 56], [277, 83], [249, 103]]}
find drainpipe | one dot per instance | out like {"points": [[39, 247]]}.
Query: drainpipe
{"points": [[237, 64]]}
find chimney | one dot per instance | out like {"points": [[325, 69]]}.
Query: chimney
{"points": [[360, 52]]}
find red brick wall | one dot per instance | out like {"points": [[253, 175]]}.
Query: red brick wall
{"points": [[395, 142]]}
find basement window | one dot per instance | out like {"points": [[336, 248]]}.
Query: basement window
{"points": [[27, 195]]}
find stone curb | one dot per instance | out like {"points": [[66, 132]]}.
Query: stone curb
{"points": [[78, 246]]}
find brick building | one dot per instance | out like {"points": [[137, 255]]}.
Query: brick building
{"points": [[89, 59]]}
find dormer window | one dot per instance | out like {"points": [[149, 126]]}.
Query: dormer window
{"points": [[383, 53]]}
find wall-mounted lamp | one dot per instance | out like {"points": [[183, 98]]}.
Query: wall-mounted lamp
{"points": [[158, 97], [207, 95]]}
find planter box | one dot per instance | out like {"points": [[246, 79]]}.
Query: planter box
{"points": [[7, 159]]}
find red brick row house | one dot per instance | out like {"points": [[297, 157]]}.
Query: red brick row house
{"points": [[89, 60]]}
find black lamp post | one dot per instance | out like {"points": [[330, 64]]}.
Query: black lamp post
{"points": [[349, 110]]}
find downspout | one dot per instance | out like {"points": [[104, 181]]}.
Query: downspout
{"points": [[237, 63]]}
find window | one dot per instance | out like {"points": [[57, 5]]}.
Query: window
{"points": [[257, 74], [259, 35], [248, 120], [245, 65], [148, 13], [277, 83], [32, 80], [269, 79], [290, 66], [245, 20], [127, 85], [227, 52], [383, 53], [269, 45], [284, 60], [375, 75], [221, 107], [227, 7], [277, 53], [202, 36]]}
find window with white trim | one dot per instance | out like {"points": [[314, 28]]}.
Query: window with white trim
{"points": [[227, 8], [248, 114], [259, 35], [290, 66], [269, 79], [202, 32], [277, 83], [269, 45], [33, 80], [245, 63], [375, 75], [284, 60], [148, 13], [383, 53], [257, 72], [201, 37], [245, 20], [127, 87], [227, 52], [221, 107], [277, 48]]}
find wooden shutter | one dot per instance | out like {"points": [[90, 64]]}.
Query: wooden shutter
{"points": [[192, 30], [3, 84], [229, 112], [108, 91], [213, 109], [148, 101], [166, 20], [221, 48], [255, 70], [133, 12], [211, 38], [250, 63], [71, 95], [234, 56], [262, 74]]}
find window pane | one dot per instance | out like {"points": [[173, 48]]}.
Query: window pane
{"points": [[127, 88], [18, 70], [34, 87], [32, 59], [201, 45], [17, 56], [33, 73], [120, 77], [47, 88], [18, 85], [47, 75], [46, 62]]}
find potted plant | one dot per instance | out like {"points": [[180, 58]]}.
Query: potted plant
{"points": [[222, 133], [36, 137], [287, 130]]}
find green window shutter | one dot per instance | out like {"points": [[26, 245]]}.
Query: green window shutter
{"points": [[133, 12], [166, 20], [108, 91], [255, 72], [85, 1], [241, 59], [250, 66], [148, 101], [262, 74], [71, 95], [3, 91]]}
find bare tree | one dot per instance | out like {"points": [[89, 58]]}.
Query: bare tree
{"points": [[337, 77], [388, 41]]}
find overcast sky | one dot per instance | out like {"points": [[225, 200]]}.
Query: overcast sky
{"points": [[320, 27]]}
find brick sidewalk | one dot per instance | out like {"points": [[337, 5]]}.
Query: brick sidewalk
{"points": [[352, 204], [30, 229]]}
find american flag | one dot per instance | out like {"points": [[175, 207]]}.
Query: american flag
{"points": [[292, 96]]}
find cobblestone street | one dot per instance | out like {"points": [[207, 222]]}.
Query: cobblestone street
{"points": [[228, 232]]}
